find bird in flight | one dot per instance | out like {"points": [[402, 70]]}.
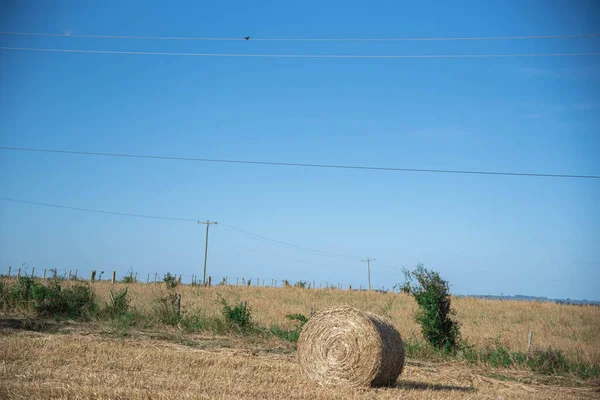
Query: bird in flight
{"points": [[247, 37]]}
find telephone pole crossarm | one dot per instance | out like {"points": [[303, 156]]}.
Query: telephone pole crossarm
{"points": [[207, 223]]}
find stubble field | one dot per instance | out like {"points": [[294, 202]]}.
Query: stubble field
{"points": [[99, 359]]}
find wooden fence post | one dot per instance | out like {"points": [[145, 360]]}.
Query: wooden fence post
{"points": [[114, 277], [155, 275], [249, 282], [179, 305], [263, 283], [135, 278], [19, 273], [208, 282], [225, 281], [529, 344], [32, 272], [44, 273], [9, 268], [92, 277], [314, 287], [69, 278], [75, 274], [148, 278]]}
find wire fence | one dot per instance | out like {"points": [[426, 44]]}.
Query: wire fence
{"points": [[132, 277]]}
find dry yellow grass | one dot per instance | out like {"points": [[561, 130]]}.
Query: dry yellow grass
{"points": [[91, 362], [573, 329], [36, 366]]}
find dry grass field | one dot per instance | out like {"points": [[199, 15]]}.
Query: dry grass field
{"points": [[89, 366], [97, 360], [573, 329]]}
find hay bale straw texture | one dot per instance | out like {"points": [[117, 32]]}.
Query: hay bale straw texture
{"points": [[345, 346]]}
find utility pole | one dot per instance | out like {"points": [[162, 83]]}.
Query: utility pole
{"points": [[208, 223], [368, 261]]}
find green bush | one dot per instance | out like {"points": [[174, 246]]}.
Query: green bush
{"points": [[585, 371], [421, 350], [285, 334], [290, 335], [198, 321], [118, 310], [21, 294], [167, 309], [497, 356], [118, 304], [298, 317], [432, 294], [549, 362], [239, 316], [544, 362], [74, 302], [170, 281], [52, 299]]}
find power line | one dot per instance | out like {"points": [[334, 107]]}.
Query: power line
{"points": [[250, 38], [74, 35], [296, 247], [388, 267], [180, 219], [430, 39], [348, 257], [306, 165], [96, 211], [391, 269], [338, 56]]}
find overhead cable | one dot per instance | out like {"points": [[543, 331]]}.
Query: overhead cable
{"points": [[283, 39], [301, 248], [304, 165], [335, 56], [95, 210]]}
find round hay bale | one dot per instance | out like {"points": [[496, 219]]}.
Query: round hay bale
{"points": [[345, 346]]}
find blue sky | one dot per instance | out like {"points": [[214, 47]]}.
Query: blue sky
{"points": [[485, 234]]}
